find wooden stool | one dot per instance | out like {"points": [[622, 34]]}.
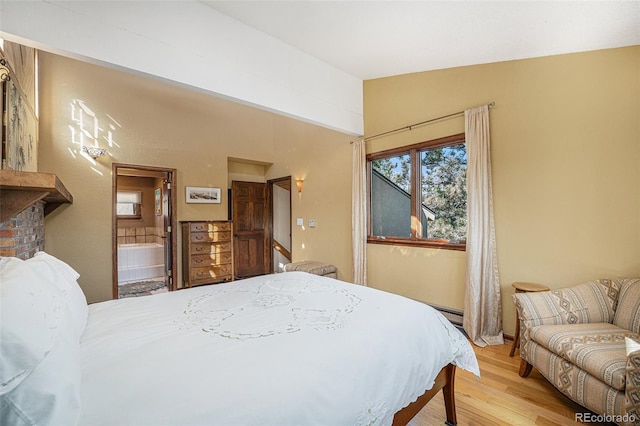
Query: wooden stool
{"points": [[522, 287]]}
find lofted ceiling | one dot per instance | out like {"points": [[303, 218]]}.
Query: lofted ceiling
{"points": [[373, 39], [308, 59]]}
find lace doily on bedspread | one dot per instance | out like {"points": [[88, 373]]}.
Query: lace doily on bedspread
{"points": [[270, 308]]}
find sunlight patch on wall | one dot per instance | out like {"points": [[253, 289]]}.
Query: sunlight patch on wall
{"points": [[87, 130]]}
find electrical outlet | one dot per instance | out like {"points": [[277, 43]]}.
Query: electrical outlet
{"points": [[312, 223], [300, 221]]}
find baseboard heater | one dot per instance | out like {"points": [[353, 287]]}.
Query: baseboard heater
{"points": [[453, 315]]}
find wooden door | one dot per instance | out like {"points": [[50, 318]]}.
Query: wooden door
{"points": [[250, 225]]}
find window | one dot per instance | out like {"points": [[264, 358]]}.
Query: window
{"points": [[129, 204], [418, 194]]}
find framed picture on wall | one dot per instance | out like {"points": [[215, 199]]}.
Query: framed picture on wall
{"points": [[196, 194], [158, 202]]}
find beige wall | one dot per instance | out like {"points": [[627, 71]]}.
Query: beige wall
{"points": [[565, 149], [153, 123], [565, 135]]}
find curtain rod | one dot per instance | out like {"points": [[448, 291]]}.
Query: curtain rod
{"points": [[411, 126]]}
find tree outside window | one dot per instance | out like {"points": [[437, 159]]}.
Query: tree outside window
{"points": [[418, 194]]}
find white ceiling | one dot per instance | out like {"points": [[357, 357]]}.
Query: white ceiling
{"points": [[307, 59], [372, 39]]}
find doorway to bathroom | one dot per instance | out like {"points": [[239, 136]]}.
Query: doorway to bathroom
{"points": [[143, 230]]}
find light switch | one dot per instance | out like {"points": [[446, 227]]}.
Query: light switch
{"points": [[312, 223], [299, 221]]}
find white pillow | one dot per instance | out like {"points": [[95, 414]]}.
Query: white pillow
{"points": [[39, 350], [65, 278], [631, 345], [31, 308], [58, 264], [50, 395]]}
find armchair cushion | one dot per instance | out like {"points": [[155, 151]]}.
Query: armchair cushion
{"points": [[598, 349], [628, 310]]}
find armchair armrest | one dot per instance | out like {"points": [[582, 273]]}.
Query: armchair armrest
{"points": [[632, 389]]}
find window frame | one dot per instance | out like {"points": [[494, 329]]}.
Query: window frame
{"points": [[414, 153], [137, 206]]}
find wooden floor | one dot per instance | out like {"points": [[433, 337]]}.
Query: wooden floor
{"points": [[502, 397]]}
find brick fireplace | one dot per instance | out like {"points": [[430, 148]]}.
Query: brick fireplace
{"points": [[23, 234], [25, 199]]}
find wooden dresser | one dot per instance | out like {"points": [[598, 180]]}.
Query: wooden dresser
{"points": [[207, 252]]}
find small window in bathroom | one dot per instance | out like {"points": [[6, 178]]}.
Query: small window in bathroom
{"points": [[129, 204]]}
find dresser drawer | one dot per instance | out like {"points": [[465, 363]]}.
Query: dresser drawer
{"points": [[200, 237], [211, 273], [207, 252], [209, 226], [207, 260], [208, 248]]}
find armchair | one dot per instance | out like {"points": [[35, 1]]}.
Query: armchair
{"points": [[575, 337]]}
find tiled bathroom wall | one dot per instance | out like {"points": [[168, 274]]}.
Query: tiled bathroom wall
{"points": [[142, 234]]}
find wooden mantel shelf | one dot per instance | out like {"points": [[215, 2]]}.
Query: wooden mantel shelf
{"points": [[19, 190]]}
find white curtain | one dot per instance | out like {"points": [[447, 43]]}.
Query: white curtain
{"points": [[359, 212], [482, 303]]}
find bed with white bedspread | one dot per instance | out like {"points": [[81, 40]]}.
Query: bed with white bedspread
{"points": [[283, 349]]}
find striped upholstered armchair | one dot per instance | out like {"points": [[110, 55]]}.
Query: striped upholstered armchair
{"points": [[582, 340]]}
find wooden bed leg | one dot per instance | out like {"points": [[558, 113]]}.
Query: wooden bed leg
{"points": [[525, 368], [444, 381], [450, 397]]}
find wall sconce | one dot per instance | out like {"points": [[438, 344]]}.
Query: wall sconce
{"points": [[4, 71], [299, 183], [94, 152]]}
